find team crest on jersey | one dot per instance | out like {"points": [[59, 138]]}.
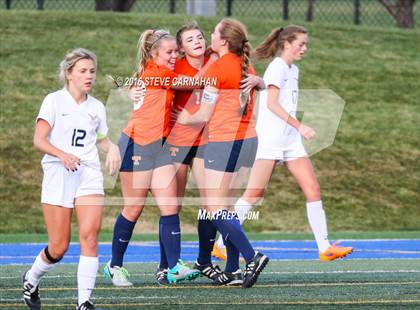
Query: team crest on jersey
{"points": [[92, 117], [173, 151], [136, 160]]}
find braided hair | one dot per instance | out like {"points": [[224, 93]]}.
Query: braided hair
{"points": [[234, 32]]}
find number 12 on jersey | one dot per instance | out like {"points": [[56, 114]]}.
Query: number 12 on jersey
{"points": [[78, 135]]}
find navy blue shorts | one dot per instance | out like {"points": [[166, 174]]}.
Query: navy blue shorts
{"points": [[185, 154], [135, 157], [230, 156]]}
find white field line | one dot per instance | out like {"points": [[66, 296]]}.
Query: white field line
{"points": [[139, 274], [278, 285]]}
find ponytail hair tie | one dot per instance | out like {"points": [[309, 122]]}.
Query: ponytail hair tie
{"points": [[281, 29], [245, 41]]}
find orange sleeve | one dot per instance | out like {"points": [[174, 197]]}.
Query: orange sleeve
{"points": [[215, 72]]}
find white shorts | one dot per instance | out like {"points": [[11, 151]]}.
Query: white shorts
{"points": [[60, 187], [287, 152]]}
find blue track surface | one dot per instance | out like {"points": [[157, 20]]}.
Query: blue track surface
{"points": [[18, 253]]}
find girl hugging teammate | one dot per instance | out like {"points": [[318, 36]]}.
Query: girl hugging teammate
{"points": [[231, 145], [147, 164]]}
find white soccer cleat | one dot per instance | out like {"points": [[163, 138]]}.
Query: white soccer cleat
{"points": [[118, 275]]}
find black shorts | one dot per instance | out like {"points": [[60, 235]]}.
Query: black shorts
{"points": [[230, 156], [185, 154], [135, 157]]}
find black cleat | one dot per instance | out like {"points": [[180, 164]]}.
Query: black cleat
{"points": [[208, 270], [253, 269], [230, 278], [162, 276], [87, 305], [31, 294]]}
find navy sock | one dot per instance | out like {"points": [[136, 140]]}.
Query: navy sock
{"points": [[123, 230], [163, 260], [229, 226], [206, 236], [232, 263], [170, 233]]}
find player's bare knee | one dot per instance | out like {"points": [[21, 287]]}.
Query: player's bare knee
{"points": [[88, 241], [313, 192], [132, 212], [55, 251]]}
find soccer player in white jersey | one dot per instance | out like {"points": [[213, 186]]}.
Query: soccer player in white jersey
{"points": [[70, 126], [279, 135]]}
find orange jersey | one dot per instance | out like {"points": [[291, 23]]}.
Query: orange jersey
{"points": [[186, 135], [227, 122], [150, 122]]}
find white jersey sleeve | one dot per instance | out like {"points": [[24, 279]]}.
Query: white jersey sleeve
{"points": [[274, 134], [47, 111], [275, 74]]}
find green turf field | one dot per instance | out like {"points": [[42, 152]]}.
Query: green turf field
{"points": [[353, 284]]}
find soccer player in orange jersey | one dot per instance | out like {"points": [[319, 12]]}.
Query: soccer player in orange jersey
{"points": [[186, 143], [232, 145], [146, 163]]}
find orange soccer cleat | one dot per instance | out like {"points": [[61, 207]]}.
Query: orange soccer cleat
{"points": [[219, 253], [334, 251]]}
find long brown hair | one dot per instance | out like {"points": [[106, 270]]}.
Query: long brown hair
{"points": [[234, 32], [273, 44]]}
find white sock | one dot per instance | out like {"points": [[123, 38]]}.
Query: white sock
{"points": [[318, 222], [86, 277], [219, 242], [242, 207], [38, 269]]}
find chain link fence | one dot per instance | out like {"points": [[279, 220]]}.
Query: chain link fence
{"points": [[365, 12]]}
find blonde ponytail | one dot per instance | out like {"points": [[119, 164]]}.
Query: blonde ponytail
{"points": [[149, 41]]}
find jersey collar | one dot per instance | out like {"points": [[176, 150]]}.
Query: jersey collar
{"points": [[70, 97]]}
